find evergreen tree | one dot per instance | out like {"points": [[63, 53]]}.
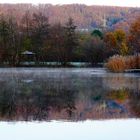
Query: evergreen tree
{"points": [[70, 38], [40, 33]]}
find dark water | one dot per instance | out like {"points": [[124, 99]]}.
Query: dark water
{"points": [[84, 99], [67, 94]]}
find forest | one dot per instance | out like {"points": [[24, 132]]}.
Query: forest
{"points": [[85, 17], [38, 35]]}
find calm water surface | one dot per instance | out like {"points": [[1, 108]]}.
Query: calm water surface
{"points": [[68, 103]]}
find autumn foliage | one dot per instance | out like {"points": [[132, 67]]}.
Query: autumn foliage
{"points": [[119, 63], [116, 64], [134, 37], [65, 42]]}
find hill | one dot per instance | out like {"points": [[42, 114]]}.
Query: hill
{"points": [[85, 17]]}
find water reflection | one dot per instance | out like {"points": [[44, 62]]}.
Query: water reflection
{"points": [[67, 94]]}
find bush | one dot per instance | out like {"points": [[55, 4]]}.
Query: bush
{"points": [[118, 63], [130, 62]]}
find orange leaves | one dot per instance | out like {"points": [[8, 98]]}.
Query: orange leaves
{"points": [[116, 64], [119, 63], [135, 35]]}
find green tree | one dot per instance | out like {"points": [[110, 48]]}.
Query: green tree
{"points": [[40, 33], [14, 47], [4, 37], [57, 44], [97, 33], [93, 50], [71, 40], [9, 40], [26, 30]]}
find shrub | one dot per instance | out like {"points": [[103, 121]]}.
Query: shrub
{"points": [[118, 63], [130, 62]]}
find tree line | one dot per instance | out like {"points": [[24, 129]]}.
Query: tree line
{"points": [[33, 38], [85, 17]]}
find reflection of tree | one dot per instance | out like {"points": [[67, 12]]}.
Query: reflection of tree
{"points": [[34, 100], [7, 104], [120, 81], [61, 96], [135, 103], [118, 95]]}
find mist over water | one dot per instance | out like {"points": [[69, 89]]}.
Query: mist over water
{"points": [[71, 94]]}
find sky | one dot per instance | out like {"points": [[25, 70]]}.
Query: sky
{"points": [[129, 3]]}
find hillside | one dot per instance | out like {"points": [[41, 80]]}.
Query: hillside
{"points": [[85, 17]]}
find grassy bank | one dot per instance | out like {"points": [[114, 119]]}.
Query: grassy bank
{"points": [[55, 65]]}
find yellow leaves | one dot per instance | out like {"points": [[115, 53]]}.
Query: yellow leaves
{"points": [[120, 36], [117, 41], [124, 49]]}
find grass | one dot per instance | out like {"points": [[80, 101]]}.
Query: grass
{"points": [[118, 63]]}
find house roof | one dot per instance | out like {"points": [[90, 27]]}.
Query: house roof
{"points": [[27, 53]]}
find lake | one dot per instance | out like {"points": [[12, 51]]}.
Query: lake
{"points": [[69, 103]]}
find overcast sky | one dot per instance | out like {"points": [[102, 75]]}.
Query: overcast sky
{"points": [[134, 3]]}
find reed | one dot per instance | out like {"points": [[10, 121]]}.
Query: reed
{"points": [[118, 63]]}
